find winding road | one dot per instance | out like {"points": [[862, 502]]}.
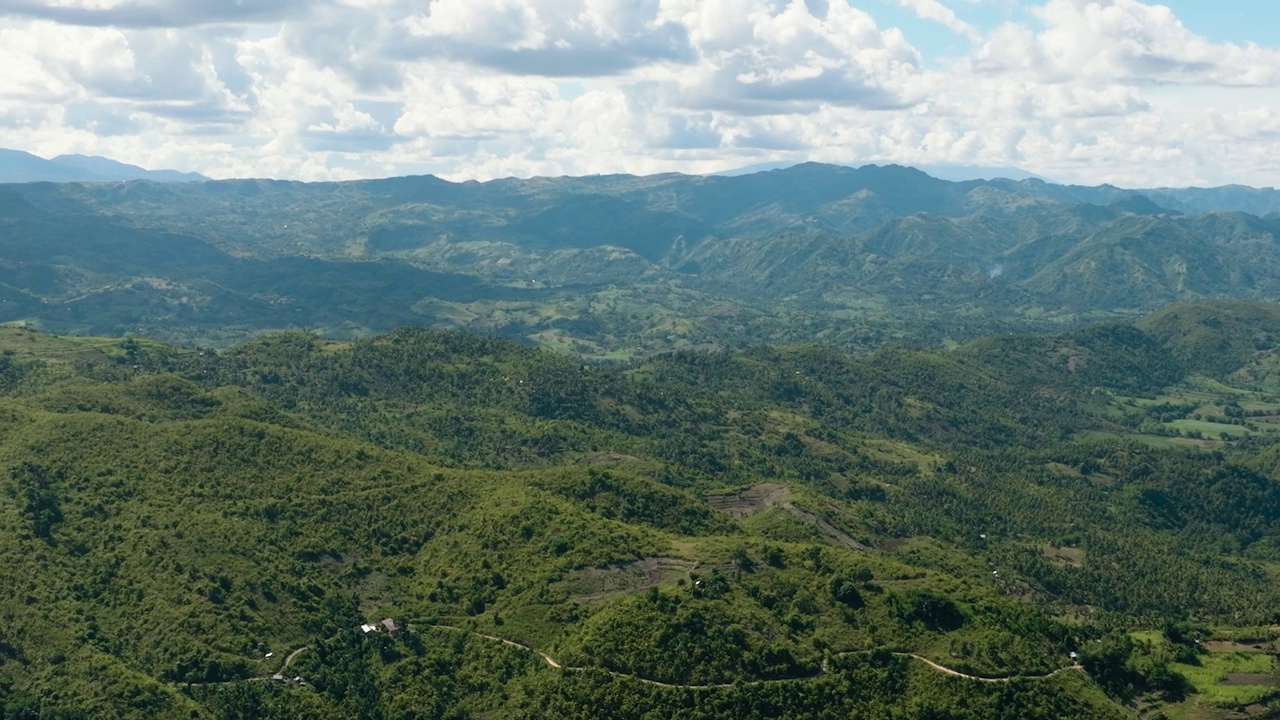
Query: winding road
{"points": [[956, 673], [552, 662], [823, 671], [293, 655]]}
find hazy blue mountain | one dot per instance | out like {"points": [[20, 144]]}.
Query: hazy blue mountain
{"points": [[111, 169], [1239, 198], [954, 172], [960, 172], [17, 166], [754, 168]]}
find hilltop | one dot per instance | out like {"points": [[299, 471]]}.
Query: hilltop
{"points": [[22, 167], [792, 531]]}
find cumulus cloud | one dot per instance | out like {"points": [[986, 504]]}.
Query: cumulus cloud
{"points": [[1081, 90], [1253, 124], [689, 132], [934, 10], [578, 38], [122, 71], [155, 13], [1125, 41], [762, 57]]}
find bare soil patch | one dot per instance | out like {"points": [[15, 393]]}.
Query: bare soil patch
{"points": [[608, 459], [1204, 444], [1063, 469], [595, 585], [1078, 613], [745, 503], [1064, 556], [1227, 646], [1259, 679], [831, 533]]}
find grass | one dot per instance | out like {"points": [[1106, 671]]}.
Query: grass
{"points": [[1206, 428], [896, 451], [1155, 441], [1222, 679], [1209, 385], [1212, 675], [1205, 391], [1263, 634], [1210, 399], [1193, 708], [24, 344]]}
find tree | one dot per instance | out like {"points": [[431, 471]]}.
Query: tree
{"points": [[41, 503]]}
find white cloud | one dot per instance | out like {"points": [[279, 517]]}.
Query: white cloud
{"points": [[1087, 91], [934, 10], [157, 13], [542, 37], [1123, 41], [758, 56], [1253, 124], [509, 24]]}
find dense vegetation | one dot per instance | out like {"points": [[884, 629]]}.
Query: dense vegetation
{"points": [[618, 267], [778, 532]]}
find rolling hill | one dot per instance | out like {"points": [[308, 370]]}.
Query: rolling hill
{"points": [[786, 531], [619, 266]]}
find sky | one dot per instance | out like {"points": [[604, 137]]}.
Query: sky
{"points": [[1134, 93]]}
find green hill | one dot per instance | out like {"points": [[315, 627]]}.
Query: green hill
{"points": [[1216, 338], [623, 266], [791, 532]]}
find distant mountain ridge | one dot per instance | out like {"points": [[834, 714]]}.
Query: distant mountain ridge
{"points": [[620, 263], [17, 166]]}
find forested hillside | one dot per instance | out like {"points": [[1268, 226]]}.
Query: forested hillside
{"points": [[1075, 525], [618, 267]]}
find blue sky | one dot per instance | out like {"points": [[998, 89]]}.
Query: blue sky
{"points": [[1234, 21], [1088, 91], [935, 41], [1237, 21]]}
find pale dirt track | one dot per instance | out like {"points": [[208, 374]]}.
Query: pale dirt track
{"points": [[931, 664], [552, 662], [293, 655]]}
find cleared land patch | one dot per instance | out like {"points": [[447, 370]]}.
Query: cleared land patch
{"points": [[1256, 679], [757, 498], [745, 503], [1225, 646], [1232, 678], [1070, 557], [595, 585], [608, 459]]}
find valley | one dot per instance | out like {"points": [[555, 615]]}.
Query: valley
{"points": [[818, 442], [618, 267], [658, 360]]}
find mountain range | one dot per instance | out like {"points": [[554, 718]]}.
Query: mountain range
{"points": [[818, 469], [17, 166], [616, 265]]}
